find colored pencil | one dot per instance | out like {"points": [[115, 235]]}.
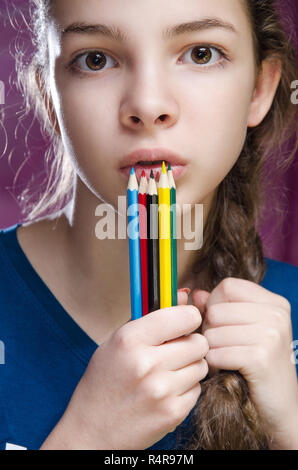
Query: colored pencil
{"points": [[143, 240], [173, 236], [164, 239], [153, 245], [134, 246]]}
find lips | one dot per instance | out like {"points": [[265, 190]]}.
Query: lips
{"points": [[151, 159]]}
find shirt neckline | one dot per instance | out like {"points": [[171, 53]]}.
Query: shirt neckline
{"points": [[76, 336]]}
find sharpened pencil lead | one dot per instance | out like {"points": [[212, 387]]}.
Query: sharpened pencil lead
{"points": [[169, 167], [163, 167]]}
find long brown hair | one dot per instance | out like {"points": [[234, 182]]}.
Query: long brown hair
{"points": [[224, 417]]}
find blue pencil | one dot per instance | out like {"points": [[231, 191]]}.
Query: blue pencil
{"points": [[134, 246]]}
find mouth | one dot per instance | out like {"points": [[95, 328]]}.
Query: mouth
{"points": [[152, 159], [144, 163]]}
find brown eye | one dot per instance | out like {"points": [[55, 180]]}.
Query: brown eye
{"points": [[92, 62], [95, 60], [201, 55]]}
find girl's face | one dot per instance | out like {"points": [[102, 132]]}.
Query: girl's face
{"points": [[204, 95]]}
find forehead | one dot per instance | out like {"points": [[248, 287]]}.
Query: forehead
{"points": [[122, 20]]}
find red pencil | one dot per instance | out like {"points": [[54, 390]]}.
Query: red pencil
{"points": [[143, 240]]}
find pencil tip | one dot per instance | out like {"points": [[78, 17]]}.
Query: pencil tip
{"points": [[169, 167], [132, 170], [151, 174], [163, 167], [143, 174]]}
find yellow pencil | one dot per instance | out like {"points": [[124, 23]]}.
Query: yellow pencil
{"points": [[164, 239]]}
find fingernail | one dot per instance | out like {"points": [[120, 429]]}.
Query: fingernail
{"points": [[184, 289]]}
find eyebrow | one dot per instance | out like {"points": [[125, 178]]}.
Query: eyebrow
{"points": [[114, 33]]}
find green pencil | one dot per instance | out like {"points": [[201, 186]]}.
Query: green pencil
{"points": [[173, 235]]}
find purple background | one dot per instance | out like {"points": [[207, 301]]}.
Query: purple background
{"points": [[16, 162]]}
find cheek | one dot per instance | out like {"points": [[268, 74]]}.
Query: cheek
{"points": [[221, 114], [87, 113], [218, 112], [88, 129]]}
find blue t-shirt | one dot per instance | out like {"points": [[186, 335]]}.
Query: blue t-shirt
{"points": [[44, 352]]}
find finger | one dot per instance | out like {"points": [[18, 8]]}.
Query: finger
{"points": [[238, 313], [188, 400], [186, 378], [226, 336], [229, 358], [183, 351], [240, 290], [182, 296], [164, 325]]}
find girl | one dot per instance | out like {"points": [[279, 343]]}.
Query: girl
{"points": [[206, 87]]}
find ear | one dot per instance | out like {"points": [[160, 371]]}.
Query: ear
{"points": [[265, 90], [47, 102]]}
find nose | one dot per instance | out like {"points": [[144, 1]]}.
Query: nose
{"points": [[148, 105]]}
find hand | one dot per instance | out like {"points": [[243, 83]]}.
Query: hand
{"points": [[140, 384], [249, 329]]}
